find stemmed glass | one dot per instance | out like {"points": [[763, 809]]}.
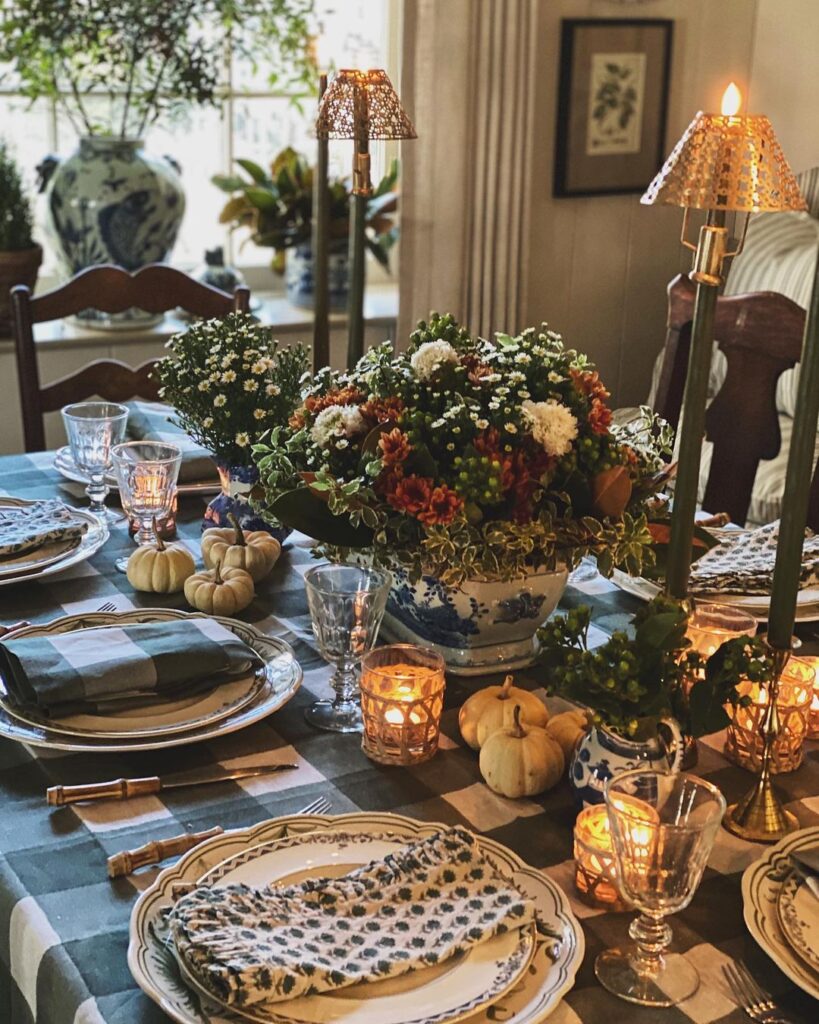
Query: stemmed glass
{"points": [[346, 605], [93, 428], [146, 472], [663, 827]]}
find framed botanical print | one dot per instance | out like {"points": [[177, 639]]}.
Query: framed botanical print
{"points": [[612, 104]]}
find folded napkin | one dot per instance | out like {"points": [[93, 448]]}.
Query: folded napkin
{"points": [[121, 666], [31, 526], [418, 906], [744, 564], [806, 862], [152, 421]]}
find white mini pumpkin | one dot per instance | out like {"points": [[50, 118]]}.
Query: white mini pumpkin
{"points": [[219, 591], [491, 709], [521, 761], [159, 568], [256, 551]]}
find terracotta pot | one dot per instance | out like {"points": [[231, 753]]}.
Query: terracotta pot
{"points": [[20, 267]]}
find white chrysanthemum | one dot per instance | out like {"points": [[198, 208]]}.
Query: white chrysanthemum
{"points": [[251, 385], [337, 421], [553, 425], [273, 389], [242, 440], [219, 401], [431, 356], [228, 376]]}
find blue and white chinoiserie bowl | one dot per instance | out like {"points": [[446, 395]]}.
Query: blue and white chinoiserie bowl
{"points": [[600, 754], [300, 277], [237, 483], [482, 626], [110, 202]]}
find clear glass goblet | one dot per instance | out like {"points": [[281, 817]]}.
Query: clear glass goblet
{"points": [[346, 605], [146, 472], [92, 429], [663, 827]]}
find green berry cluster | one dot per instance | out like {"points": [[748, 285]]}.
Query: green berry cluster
{"points": [[478, 478]]}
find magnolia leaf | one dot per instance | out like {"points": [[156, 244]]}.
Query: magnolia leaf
{"points": [[261, 198], [301, 510], [253, 169], [611, 491]]}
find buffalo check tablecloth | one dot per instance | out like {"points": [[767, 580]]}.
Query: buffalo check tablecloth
{"points": [[64, 925]]}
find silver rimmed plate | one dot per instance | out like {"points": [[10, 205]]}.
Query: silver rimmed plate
{"points": [[762, 883], [279, 680], [549, 976], [798, 910], [92, 540]]}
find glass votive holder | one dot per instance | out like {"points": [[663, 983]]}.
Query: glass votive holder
{"points": [[813, 716], [595, 867], [743, 738], [402, 697], [711, 625]]}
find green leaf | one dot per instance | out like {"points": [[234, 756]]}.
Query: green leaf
{"points": [[706, 712], [261, 198], [253, 169], [302, 510], [662, 632], [228, 182]]}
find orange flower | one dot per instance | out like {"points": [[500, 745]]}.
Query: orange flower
{"points": [[383, 410], [599, 417], [411, 494], [395, 447], [476, 370], [443, 506], [314, 404], [588, 383]]}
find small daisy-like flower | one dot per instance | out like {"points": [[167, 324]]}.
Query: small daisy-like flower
{"points": [[554, 378], [207, 422], [482, 424], [251, 385], [242, 439], [219, 401], [510, 428], [343, 443], [259, 414], [228, 376], [273, 389], [228, 359], [203, 385]]}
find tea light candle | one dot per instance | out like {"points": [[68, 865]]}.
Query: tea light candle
{"points": [[402, 696], [595, 873], [743, 739], [813, 715]]}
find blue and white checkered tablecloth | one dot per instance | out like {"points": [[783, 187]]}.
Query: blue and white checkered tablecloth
{"points": [[64, 925]]}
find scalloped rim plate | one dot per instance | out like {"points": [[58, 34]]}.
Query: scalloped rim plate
{"points": [[155, 970], [798, 911]]}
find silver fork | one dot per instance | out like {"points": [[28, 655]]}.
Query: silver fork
{"points": [[753, 999], [319, 806]]}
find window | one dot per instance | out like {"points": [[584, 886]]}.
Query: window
{"points": [[255, 122]]}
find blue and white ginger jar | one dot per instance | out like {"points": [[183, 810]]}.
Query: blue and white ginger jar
{"points": [[601, 754]]}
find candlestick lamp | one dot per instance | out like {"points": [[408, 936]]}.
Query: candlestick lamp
{"points": [[361, 105]]}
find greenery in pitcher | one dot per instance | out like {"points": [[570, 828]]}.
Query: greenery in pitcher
{"points": [[115, 68], [637, 677], [15, 208], [277, 207], [229, 382], [464, 459]]}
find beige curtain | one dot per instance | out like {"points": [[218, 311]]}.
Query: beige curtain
{"points": [[467, 80]]}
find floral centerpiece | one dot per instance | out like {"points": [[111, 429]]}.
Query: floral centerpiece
{"points": [[229, 383], [639, 678], [478, 471]]}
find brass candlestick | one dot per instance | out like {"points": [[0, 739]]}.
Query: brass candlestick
{"points": [[760, 817]]}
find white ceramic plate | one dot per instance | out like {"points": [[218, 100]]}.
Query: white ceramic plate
{"points": [[453, 990], [155, 969], [798, 910], [38, 559], [282, 676], [761, 885], [92, 540]]}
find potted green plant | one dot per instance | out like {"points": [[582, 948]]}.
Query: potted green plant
{"points": [[277, 208], [637, 680], [478, 472], [20, 255], [114, 70], [229, 382]]}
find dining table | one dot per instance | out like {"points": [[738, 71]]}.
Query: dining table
{"points": [[64, 924]]}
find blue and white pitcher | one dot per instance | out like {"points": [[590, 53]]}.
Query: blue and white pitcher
{"points": [[601, 754]]}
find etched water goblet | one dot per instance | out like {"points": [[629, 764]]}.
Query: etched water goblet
{"points": [[663, 827], [146, 472], [93, 429], [346, 606]]}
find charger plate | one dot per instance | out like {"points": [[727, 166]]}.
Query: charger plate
{"points": [[91, 541], [762, 883], [155, 969], [204, 719]]}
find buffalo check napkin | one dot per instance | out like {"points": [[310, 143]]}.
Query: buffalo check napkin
{"points": [[417, 907], [31, 526], [109, 667], [744, 564], [152, 421]]}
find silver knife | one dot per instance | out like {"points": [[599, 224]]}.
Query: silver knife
{"points": [[122, 789]]}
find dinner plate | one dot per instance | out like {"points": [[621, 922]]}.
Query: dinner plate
{"points": [[38, 558], [798, 910], [89, 544], [446, 993], [549, 976], [761, 885], [280, 678]]}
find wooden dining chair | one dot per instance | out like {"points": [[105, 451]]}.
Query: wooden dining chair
{"points": [[760, 335], [155, 288]]}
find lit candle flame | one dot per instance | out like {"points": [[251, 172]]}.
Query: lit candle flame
{"points": [[731, 101]]}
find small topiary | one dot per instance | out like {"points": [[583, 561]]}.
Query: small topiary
{"points": [[15, 208]]}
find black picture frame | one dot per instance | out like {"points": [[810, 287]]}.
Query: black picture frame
{"points": [[618, 146]]}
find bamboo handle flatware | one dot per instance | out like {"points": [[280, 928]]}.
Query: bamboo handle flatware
{"points": [[157, 850]]}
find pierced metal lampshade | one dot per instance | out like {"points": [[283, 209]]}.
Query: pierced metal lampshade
{"points": [[726, 162], [362, 103]]}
